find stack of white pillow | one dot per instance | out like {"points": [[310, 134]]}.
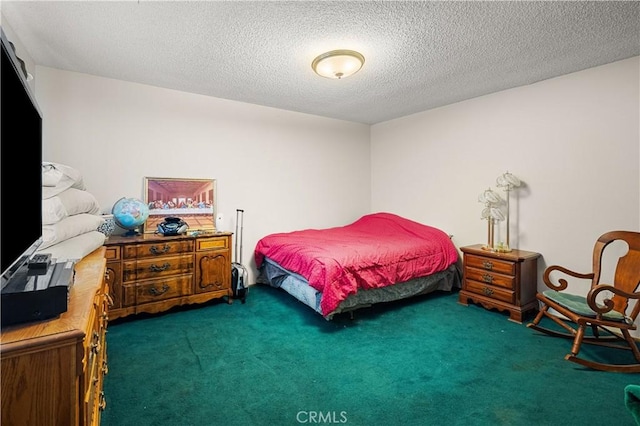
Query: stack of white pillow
{"points": [[70, 214]]}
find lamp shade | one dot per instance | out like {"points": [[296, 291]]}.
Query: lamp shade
{"points": [[508, 181], [338, 64], [489, 197], [492, 213]]}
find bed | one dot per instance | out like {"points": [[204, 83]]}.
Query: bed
{"points": [[380, 257]]}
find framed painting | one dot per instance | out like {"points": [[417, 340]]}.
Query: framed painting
{"points": [[192, 200]]}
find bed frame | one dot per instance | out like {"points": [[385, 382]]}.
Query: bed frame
{"points": [[297, 286]]}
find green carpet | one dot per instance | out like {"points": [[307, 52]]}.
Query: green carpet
{"points": [[422, 361]]}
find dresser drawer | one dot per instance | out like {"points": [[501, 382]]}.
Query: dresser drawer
{"points": [[112, 253], [92, 341], [489, 264], [135, 270], [490, 291], [214, 243], [158, 289], [155, 249], [95, 355], [91, 397], [487, 277]]}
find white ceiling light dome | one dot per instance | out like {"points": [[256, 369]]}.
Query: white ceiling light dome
{"points": [[338, 64]]}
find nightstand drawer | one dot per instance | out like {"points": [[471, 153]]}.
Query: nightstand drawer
{"points": [[488, 264], [155, 249], [486, 277], [159, 267], [490, 291]]}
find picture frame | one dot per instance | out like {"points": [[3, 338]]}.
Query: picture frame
{"points": [[192, 200]]}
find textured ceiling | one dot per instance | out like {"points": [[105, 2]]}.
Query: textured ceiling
{"points": [[419, 55]]}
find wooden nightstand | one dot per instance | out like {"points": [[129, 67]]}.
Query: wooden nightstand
{"points": [[505, 281]]}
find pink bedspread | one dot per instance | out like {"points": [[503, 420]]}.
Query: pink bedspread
{"points": [[377, 250]]}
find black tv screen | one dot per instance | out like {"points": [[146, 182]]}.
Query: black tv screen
{"points": [[20, 166]]}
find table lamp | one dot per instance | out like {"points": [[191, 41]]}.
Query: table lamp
{"points": [[507, 182], [491, 213]]}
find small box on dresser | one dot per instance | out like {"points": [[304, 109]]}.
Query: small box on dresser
{"points": [[153, 273], [506, 281]]}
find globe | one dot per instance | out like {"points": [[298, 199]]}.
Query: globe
{"points": [[130, 213]]}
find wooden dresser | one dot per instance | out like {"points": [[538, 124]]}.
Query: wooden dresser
{"points": [[505, 281], [152, 273], [52, 370]]}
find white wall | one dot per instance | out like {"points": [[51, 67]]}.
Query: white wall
{"points": [[20, 51], [573, 140], [286, 170]]}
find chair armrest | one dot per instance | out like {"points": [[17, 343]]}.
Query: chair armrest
{"points": [[562, 283], [606, 304]]}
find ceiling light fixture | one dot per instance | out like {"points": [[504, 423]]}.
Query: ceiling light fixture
{"points": [[338, 63]]}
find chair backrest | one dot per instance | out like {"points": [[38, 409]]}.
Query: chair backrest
{"points": [[627, 272]]}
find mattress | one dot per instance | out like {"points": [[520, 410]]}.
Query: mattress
{"points": [[375, 251]]}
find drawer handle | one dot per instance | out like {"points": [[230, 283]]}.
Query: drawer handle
{"points": [[487, 291], [157, 292], [103, 401], [156, 268], [154, 249], [487, 278], [488, 265]]}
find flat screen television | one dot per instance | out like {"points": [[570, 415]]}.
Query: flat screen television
{"points": [[20, 167]]}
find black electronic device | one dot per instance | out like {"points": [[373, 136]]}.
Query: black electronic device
{"points": [[40, 261], [172, 226], [35, 296], [21, 186]]}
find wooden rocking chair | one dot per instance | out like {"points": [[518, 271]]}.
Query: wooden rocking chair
{"points": [[609, 312]]}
